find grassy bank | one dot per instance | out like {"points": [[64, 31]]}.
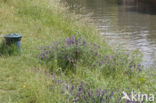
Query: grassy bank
{"points": [[25, 78]]}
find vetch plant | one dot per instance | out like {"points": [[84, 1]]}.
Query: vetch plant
{"points": [[69, 52], [82, 92]]}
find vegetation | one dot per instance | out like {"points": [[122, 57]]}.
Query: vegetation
{"points": [[27, 78], [8, 49]]}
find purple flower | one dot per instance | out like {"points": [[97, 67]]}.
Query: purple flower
{"points": [[76, 43], [80, 88], [47, 52], [42, 56], [97, 93], [79, 40], [96, 53], [112, 94], [67, 86], [69, 41], [84, 42], [85, 98], [80, 93], [76, 99], [72, 87], [102, 62], [102, 91], [134, 65], [72, 41]]}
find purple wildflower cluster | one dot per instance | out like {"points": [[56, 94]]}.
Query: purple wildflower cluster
{"points": [[76, 49], [45, 52], [70, 51], [76, 41], [82, 92]]}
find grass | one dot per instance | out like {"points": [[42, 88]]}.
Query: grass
{"points": [[24, 79], [8, 50]]}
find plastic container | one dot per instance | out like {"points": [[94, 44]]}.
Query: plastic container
{"points": [[13, 38]]}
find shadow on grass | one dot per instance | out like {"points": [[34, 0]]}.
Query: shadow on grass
{"points": [[8, 50]]}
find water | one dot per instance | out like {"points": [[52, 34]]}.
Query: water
{"points": [[127, 24]]}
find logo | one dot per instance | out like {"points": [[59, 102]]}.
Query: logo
{"points": [[134, 96]]}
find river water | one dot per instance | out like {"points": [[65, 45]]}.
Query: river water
{"points": [[125, 23]]}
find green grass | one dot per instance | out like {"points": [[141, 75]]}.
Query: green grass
{"points": [[23, 79], [8, 50]]}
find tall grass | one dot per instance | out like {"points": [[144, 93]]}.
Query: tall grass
{"points": [[27, 79], [8, 50]]}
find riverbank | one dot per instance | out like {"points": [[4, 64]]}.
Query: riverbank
{"points": [[26, 78]]}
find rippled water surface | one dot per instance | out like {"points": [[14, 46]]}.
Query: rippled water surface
{"points": [[126, 23]]}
